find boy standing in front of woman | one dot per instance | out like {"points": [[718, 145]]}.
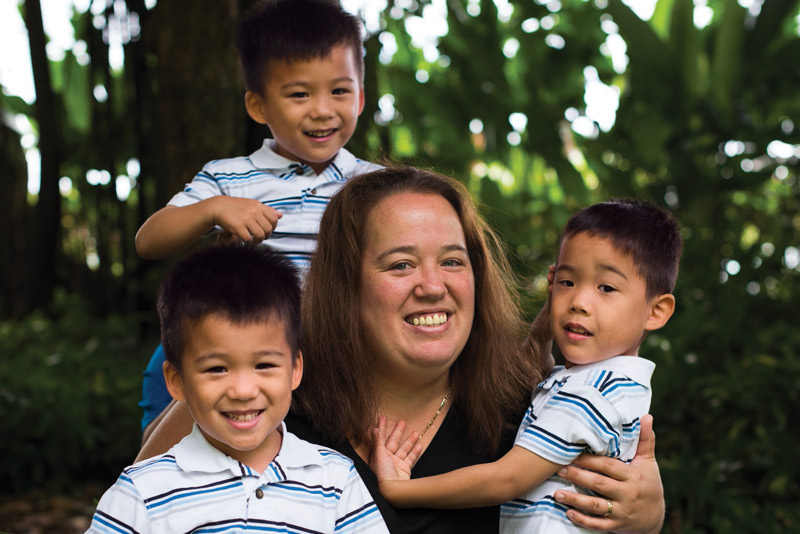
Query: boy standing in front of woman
{"points": [[230, 325], [303, 67], [613, 282]]}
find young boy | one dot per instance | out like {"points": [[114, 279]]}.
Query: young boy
{"points": [[613, 283], [303, 69], [230, 326]]}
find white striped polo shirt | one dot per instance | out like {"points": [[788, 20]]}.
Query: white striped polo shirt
{"points": [[292, 188], [594, 408], [196, 488]]}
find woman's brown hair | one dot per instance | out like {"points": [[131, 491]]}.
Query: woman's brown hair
{"points": [[493, 376]]}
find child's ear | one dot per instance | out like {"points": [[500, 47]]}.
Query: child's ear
{"points": [[254, 103], [360, 100], [297, 370], [661, 308], [174, 382]]}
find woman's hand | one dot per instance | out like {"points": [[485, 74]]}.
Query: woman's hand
{"points": [[634, 490]]}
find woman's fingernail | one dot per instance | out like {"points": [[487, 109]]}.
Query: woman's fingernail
{"points": [[562, 472], [559, 496]]}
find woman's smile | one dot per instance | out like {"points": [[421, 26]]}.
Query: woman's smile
{"points": [[417, 285]]}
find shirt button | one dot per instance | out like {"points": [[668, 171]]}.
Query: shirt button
{"points": [[259, 494], [314, 191], [300, 171]]}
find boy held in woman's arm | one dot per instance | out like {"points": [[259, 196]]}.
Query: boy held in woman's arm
{"points": [[613, 282]]}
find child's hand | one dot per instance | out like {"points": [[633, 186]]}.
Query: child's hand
{"points": [[391, 459], [246, 219]]}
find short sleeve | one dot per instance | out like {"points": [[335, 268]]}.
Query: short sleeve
{"points": [[121, 510], [575, 419], [356, 511], [203, 186]]}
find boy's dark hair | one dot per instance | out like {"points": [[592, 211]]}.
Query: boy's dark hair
{"points": [[243, 284], [294, 30], [648, 234]]}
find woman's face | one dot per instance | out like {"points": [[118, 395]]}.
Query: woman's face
{"points": [[417, 287]]}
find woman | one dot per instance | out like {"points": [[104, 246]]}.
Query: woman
{"points": [[409, 313]]}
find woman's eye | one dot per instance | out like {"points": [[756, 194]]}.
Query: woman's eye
{"points": [[452, 263], [401, 266]]}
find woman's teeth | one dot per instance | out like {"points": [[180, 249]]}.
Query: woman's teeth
{"points": [[429, 320]]}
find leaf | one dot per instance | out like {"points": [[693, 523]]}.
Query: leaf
{"points": [[726, 62], [15, 104], [76, 94]]}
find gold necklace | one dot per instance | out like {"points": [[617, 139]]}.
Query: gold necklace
{"points": [[438, 411]]}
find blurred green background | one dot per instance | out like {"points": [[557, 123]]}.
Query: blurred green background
{"points": [[540, 107]]}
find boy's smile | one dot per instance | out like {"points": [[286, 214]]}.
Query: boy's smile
{"points": [[311, 106], [599, 307], [237, 381]]}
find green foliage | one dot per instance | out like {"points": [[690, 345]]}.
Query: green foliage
{"points": [[68, 397], [701, 112]]}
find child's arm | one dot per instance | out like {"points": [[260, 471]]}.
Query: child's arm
{"points": [[488, 484], [172, 228]]}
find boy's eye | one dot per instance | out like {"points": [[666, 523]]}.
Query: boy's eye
{"points": [[565, 283], [605, 288], [215, 369], [298, 94], [341, 91], [265, 365]]}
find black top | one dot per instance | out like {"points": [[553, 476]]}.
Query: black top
{"points": [[447, 451]]}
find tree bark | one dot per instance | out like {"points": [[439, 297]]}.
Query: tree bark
{"points": [[46, 235], [200, 93], [15, 216]]}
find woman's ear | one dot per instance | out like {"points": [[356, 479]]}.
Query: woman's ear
{"points": [[661, 309], [174, 382], [254, 103]]}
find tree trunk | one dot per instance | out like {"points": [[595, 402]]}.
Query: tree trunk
{"points": [[15, 216], [200, 96], [46, 235]]}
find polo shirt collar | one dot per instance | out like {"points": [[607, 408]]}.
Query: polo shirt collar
{"points": [[195, 453], [266, 158], [637, 369]]}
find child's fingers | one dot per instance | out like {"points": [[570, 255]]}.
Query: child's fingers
{"points": [[380, 430], [393, 441], [406, 447], [414, 453]]}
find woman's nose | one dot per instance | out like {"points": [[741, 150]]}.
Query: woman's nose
{"points": [[431, 284]]}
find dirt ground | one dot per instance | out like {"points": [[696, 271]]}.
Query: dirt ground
{"points": [[37, 513]]}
